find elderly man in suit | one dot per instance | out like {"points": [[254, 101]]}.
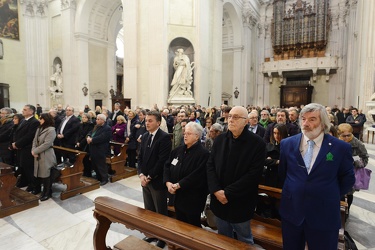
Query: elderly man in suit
{"points": [[254, 126], [318, 170], [24, 136], [98, 141], [155, 149], [67, 132]]}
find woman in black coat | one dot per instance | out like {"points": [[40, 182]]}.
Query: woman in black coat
{"points": [[85, 127], [131, 138], [273, 155], [185, 176]]}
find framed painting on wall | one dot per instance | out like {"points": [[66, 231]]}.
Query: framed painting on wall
{"points": [[9, 27]]}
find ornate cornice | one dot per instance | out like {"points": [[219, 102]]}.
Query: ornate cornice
{"points": [[249, 16], [66, 4], [35, 7]]}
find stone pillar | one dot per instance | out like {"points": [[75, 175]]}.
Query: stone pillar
{"points": [[366, 38], [130, 17], [249, 84], [71, 95], [37, 64], [83, 72]]}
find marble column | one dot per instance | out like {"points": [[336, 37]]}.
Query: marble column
{"points": [[71, 95], [367, 52], [249, 84], [130, 17], [37, 64]]}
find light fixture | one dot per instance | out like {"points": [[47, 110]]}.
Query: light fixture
{"points": [[85, 90], [1, 49], [236, 93]]}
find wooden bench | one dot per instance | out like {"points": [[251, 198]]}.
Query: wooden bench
{"points": [[117, 164], [177, 234], [72, 177], [12, 198], [267, 231]]}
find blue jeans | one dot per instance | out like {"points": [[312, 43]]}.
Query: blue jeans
{"points": [[242, 230]]}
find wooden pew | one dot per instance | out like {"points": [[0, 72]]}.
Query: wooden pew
{"points": [[12, 198], [177, 234], [267, 231], [117, 164], [72, 177]]}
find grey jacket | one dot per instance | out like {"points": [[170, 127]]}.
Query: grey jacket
{"points": [[42, 145]]}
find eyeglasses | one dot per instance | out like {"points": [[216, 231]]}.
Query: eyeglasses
{"points": [[343, 136], [236, 117], [252, 118], [188, 134], [69, 110]]}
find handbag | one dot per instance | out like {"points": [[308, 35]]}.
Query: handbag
{"points": [[349, 242], [362, 178]]}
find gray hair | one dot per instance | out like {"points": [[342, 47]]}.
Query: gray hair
{"points": [[7, 110], [197, 128], [101, 117], [324, 119], [217, 127]]}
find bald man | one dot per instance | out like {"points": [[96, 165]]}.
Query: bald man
{"points": [[233, 171]]}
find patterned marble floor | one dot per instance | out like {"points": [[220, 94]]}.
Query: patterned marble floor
{"points": [[69, 224]]}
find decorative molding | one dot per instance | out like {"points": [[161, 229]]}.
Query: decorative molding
{"points": [[68, 4], [35, 7], [317, 66], [249, 16]]}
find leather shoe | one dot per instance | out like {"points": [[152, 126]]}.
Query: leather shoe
{"points": [[149, 240], [160, 244], [35, 191], [102, 183], [44, 198]]}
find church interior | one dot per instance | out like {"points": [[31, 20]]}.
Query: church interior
{"points": [[275, 53]]}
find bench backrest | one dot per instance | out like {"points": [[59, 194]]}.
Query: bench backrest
{"points": [[172, 231]]}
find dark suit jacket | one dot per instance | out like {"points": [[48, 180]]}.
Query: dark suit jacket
{"points": [[70, 131], [99, 147], [25, 133], [151, 160], [236, 166], [23, 138], [260, 130], [315, 197], [114, 118]]}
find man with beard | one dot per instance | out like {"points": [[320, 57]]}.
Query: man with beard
{"points": [[282, 117], [317, 170]]}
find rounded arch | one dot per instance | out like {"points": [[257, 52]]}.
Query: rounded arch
{"points": [[98, 19], [232, 26]]}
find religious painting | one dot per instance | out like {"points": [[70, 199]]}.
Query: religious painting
{"points": [[9, 27]]}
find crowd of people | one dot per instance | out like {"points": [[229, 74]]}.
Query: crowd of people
{"points": [[184, 153]]}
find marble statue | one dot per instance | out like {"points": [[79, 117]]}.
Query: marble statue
{"points": [[57, 82], [183, 76]]}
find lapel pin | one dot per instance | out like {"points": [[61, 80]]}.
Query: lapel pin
{"points": [[329, 157]]}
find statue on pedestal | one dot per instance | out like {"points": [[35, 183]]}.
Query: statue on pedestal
{"points": [[183, 76], [57, 82]]}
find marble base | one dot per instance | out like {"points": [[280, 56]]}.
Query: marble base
{"points": [[181, 100]]}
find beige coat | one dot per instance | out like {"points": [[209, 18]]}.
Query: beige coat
{"points": [[42, 145]]}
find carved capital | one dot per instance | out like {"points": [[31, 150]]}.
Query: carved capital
{"points": [[249, 16], [66, 4], [35, 7]]}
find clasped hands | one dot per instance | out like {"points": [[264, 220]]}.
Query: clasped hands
{"points": [[172, 188]]}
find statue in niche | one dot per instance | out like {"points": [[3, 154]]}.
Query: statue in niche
{"points": [[183, 75], [57, 81]]}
